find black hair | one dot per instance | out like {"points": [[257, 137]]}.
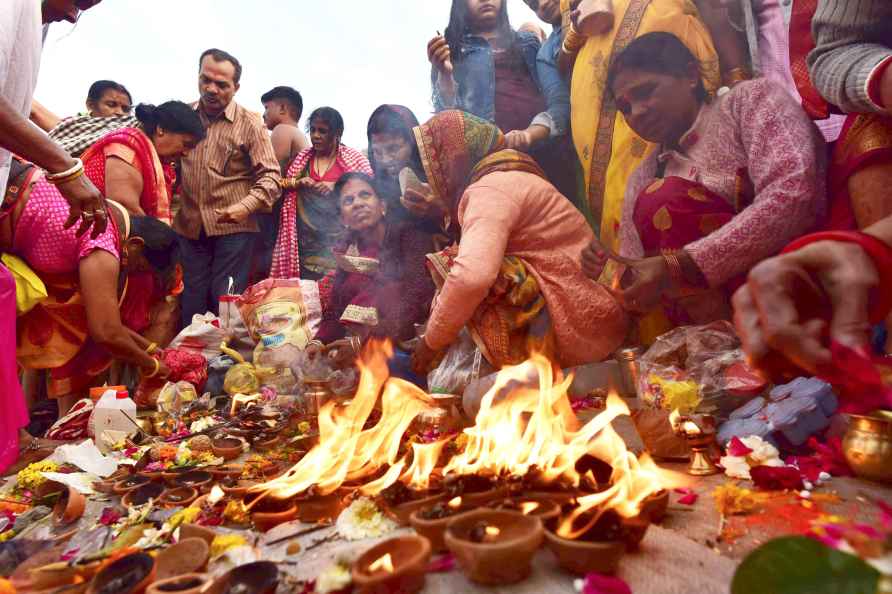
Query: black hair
{"points": [[330, 116], [659, 53], [354, 176], [459, 26], [390, 119], [288, 95], [173, 116], [159, 240], [99, 88], [220, 56]]}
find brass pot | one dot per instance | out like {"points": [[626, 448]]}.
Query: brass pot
{"points": [[867, 446], [316, 393]]}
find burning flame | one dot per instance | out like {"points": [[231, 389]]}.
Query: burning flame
{"points": [[454, 503], [492, 531], [348, 452], [528, 507], [383, 563]]}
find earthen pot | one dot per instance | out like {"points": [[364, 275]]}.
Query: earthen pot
{"points": [[195, 531], [583, 557], [434, 530], [239, 489], [128, 484], [261, 577], [70, 506], [655, 506], [128, 575], [400, 513], [265, 442], [141, 495], [171, 475], [409, 556], [507, 557], [107, 485], [178, 497], [196, 479], [322, 508], [484, 497], [634, 530], [228, 448], [546, 510], [268, 512], [187, 556], [191, 583], [227, 470]]}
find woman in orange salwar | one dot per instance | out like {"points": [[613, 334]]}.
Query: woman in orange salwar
{"points": [[514, 278]]}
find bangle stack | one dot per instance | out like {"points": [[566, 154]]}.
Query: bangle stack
{"points": [[63, 177], [675, 271], [573, 41], [151, 348]]}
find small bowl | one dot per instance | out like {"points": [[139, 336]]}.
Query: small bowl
{"points": [[268, 512], [130, 483], [171, 475], [546, 510], [196, 479], [265, 443], [178, 497], [189, 555], [434, 530], [141, 495], [410, 556], [133, 573], [313, 510], [152, 475], [655, 506], [195, 531], [867, 446], [261, 577], [484, 497], [228, 448], [582, 557], [241, 488], [401, 513], [70, 506], [508, 559], [191, 583]]}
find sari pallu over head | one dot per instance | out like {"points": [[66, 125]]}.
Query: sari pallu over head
{"points": [[133, 146], [457, 149]]}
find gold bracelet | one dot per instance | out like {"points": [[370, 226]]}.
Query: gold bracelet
{"points": [[151, 348], [68, 175], [289, 183], [734, 76], [155, 371]]}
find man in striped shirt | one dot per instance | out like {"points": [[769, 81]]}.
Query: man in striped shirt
{"points": [[229, 177]]}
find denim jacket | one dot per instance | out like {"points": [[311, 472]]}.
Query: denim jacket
{"points": [[554, 87], [476, 82]]}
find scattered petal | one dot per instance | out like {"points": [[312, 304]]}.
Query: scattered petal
{"points": [[596, 583], [689, 499], [442, 564], [738, 448], [771, 478]]}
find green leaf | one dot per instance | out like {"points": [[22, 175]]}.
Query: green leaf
{"points": [[800, 565]]}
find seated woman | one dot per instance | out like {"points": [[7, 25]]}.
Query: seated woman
{"points": [[514, 278], [109, 106], [310, 225], [390, 150], [484, 67], [734, 180], [382, 288], [29, 229]]}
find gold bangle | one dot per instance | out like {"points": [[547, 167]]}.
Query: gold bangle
{"points": [[155, 371], [151, 348], [66, 176], [675, 271], [734, 76]]}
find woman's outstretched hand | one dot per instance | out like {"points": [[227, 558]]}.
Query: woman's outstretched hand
{"points": [[780, 312]]}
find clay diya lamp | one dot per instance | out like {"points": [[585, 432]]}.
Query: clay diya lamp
{"points": [[655, 506], [189, 555], [322, 508], [171, 474], [265, 442], [267, 512], [399, 502], [228, 448], [195, 479], [130, 483], [107, 485], [395, 565], [261, 577], [128, 575], [598, 549], [196, 531], [142, 495], [178, 497], [70, 506], [546, 510], [226, 471], [237, 488], [475, 490], [431, 522], [494, 547], [191, 583], [152, 475]]}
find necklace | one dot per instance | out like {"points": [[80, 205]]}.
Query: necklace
{"points": [[331, 162]]}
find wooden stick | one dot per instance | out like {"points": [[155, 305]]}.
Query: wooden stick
{"points": [[298, 534]]}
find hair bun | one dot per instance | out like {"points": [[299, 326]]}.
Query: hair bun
{"points": [[146, 113]]}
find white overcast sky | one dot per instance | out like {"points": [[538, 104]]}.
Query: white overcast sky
{"points": [[351, 54]]}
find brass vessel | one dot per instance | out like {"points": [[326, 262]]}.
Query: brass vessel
{"points": [[867, 446]]}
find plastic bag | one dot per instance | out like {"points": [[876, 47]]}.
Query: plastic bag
{"points": [[217, 369], [282, 315], [460, 366], [29, 289], [204, 335], [241, 379], [238, 337], [175, 397]]}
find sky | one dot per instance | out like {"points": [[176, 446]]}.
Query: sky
{"points": [[352, 55]]}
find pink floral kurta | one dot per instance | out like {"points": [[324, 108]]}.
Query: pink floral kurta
{"points": [[757, 132]]}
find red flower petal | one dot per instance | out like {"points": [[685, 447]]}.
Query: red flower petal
{"points": [[738, 448], [689, 499], [771, 478], [596, 583], [442, 564]]}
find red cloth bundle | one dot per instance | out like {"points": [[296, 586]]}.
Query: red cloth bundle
{"points": [[187, 366]]}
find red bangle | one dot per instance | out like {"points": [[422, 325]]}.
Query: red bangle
{"points": [[879, 252]]}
